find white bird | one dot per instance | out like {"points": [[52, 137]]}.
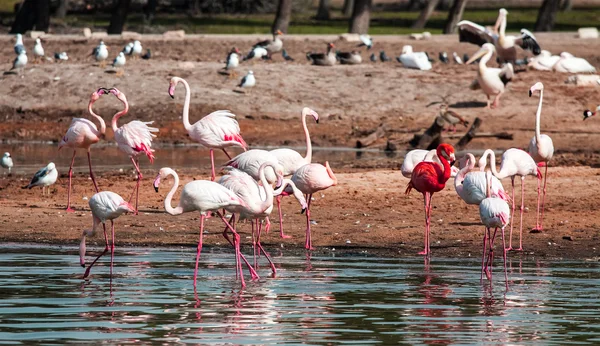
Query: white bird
{"points": [[494, 213], [232, 61], [257, 52], [20, 62], [44, 177], [457, 59], [248, 81], [137, 49], [206, 197], [543, 62], [291, 160], [105, 206], [570, 64], [119, 62], [366, 40], [272, 46], [61, 56], [471, 186], [251, 160], [7, 162], [491, 80], [100, 53], [19, 47], [218, 130], [38, 50], [413, 157], [541, 149], [416, 60], [128, 49]]}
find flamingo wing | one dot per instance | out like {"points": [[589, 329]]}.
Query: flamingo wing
{"points": [[107, 205], [138, 136], [290, 159], [218, 129]]}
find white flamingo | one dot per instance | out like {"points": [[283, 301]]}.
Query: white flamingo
{"points": [[218, 130], [471, 186], [251, 160]]}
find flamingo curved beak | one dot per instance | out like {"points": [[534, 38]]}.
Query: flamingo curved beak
{"points": [[156, 182]]}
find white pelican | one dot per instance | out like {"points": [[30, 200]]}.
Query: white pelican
{"points": [[410, 59], [491, 80], [505, 45], [570, 64], [543, 62]]}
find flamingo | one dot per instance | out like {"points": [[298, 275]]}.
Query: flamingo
{"points": [[291, 160], [133, 139], [81, 135], [105, 205], [515, 162], [471, 186], [428, 178], [251, 160], [203, 196], [494, 212], [491, 80], [44, 177], [414, 157], [218, 130], [541, 149], [309, 179]]}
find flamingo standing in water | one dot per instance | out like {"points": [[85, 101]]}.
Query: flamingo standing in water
{"points": [[291, 160], [494, 212], [105, 205], [218, 130], [204, 196], [471, 186], [133, 139], [541, 149], [81, 135], [428, 178], [309, 179], [515, 162]]}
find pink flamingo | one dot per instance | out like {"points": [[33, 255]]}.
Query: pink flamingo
{"points": [[81, 135], [494, 212], [204, 196], [251, 160], [413, 157], [218, 130], [471, 186], [291, 160], [105, 205], [515, 162], [133, 139], [309, 179], [258, 201], [541, 149], [428, 178]]}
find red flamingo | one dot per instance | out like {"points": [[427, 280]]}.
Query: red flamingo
{"points": [[81, 134], [133, 139], [428, 178]]}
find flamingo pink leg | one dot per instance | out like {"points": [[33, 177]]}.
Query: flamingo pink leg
{"points": [[541, 228], [483, 256], [69, 209], [427, 202], [238, 254], [212, 165], [91, 172], [522, 209], [112, 247], [253, 274], [537, 215], [504, 258], [512, 180], [308, 242], [281, 219], [254, 240], [261, 249], [87, 271], [136, 190], [199, 248]]}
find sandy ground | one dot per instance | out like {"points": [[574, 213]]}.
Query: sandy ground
{"points": [[368, 210]]}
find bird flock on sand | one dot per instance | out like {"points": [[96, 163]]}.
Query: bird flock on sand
{"points": [[254, 179]]}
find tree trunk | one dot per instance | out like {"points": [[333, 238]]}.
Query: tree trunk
{"points": [[425, 14], [282, 18], [323, 11], [454, 15], [194, 7], [414, 5], [119, 16], [566, 6], [61, 11], [547, 15], [359, 23], [33, 14], [348, 7], [42, 15], [150, 11], [445, 5]]}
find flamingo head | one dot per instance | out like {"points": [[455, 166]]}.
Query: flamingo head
{"points": [[118, 94], [447, 152], [307, 111], [537, 86], [96, 94], [503, 12], [163, 173]]}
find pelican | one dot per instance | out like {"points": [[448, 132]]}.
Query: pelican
{"points": [[505, 45], [491, 80], [411, 59], [543, 62], [570, 64]]}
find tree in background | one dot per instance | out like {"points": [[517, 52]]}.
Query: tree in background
{"points": [[63, 6], [454, 16], [33, 14], [359, 23], [425, 14], [119, 16], [150, 11], [323, 11], [348, 7], [547, 15], [282, 18]]}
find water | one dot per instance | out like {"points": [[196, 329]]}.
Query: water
{"points": [[318, 300]]}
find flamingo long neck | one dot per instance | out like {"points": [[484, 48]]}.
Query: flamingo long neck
{"points": [[502, 31], [488, 184], [460, 176], [119, 114], [268, 201], [447, 171], [537, 118], [332, 176], [492, 155], [308, 157], [484, 60], [99, 118], [168, 207], [186, 106]]}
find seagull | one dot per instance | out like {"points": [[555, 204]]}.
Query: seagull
{"points": [[137, 48], [44, 177], [61, 56], [38, 50], [20, 61], [148, 55], [443, 57], [366, 41], [100, 53], [286, 56], [119, 61], [19, 47], [457, 58], [373, 57], [383, 57], [7, 162], [128, 49], [248, 81]]}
